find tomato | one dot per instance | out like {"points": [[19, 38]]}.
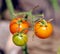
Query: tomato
{"points": [[18, 24], [42, 30], [20, 39]]}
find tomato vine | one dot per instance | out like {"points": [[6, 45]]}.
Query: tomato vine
{"points": [[20, 38]]}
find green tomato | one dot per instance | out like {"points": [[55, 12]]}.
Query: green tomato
{"points": [[20, 39]]}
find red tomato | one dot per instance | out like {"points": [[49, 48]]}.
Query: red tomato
{"points": [[18, 24]]}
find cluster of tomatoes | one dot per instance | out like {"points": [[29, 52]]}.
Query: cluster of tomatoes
{"points": [[19, 28]]}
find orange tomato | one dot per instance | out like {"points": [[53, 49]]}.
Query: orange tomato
{"points": [[43, 31], [18, 24]]}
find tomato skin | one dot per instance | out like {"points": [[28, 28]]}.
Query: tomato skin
{"points": [[43, 31], [20, 39], [14, 27]]}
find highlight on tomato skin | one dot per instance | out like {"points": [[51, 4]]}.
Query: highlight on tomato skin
{"points": [[18, 24], [43, 32]]}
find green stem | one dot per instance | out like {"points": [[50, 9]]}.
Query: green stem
{"points": [[55, 4], [10, 8], [24, 48]]}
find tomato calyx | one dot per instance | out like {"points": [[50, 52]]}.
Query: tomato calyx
{"points": [[19, 21], [20, 34], [43, 22]]}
